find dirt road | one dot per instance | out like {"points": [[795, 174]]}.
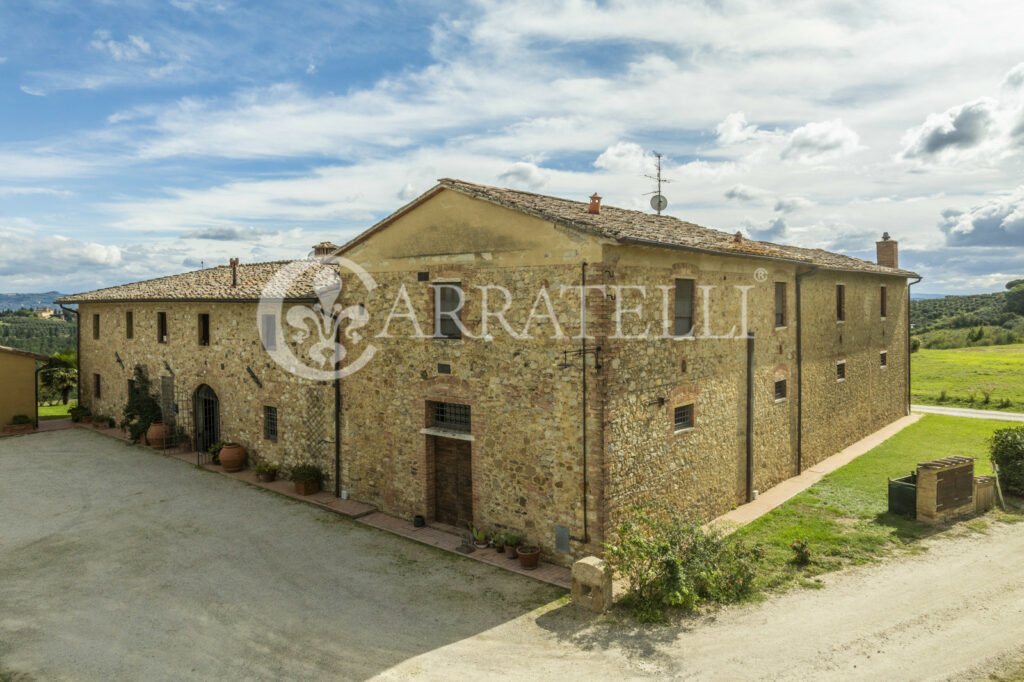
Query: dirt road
{"points": [[955, 611]]}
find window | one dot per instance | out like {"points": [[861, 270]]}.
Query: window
{"points": [[683, 308], [683, 417], [840, 302], [161, 327], [882, 304], [97, 389], [447, 310], [780, 389], [204, 329], [450, 416], [841, 370], [780, 304], [131, 388], [270, 423], [883, 359], [268, 331], [129, 325], [95, 326]]}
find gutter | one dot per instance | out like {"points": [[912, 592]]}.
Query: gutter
{"points": [[750, 417], [909, 284], [38, 370], [311, 299], [78, 352], [800, 373]]}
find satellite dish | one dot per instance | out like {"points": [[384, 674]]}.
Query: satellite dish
{"points": [[659, 203]]}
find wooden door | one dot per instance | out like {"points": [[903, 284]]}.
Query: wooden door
{"points": [[453, 482]]}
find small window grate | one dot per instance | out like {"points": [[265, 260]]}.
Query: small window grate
{"points": [[840, 371], [883, 358], [451, 416], [270, 423], [780, 389], [684, 417]]}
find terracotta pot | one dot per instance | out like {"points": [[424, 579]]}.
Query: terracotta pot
{"points": [[267, 476], [529, 557], [156, 435], [307, 487], [511, 551], [232, 457]]}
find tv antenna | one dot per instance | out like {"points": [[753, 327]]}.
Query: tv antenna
{"points": [[658, 202]]}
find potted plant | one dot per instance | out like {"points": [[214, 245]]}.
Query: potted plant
{"points": [[20, 423], [214, 451], [498, 540], [529, 556], [511, 542], [479, 537], [157, 434], [232, 457], [266, 472], [80, 413], [307, 479]]}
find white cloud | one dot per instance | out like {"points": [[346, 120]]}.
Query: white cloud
{"points": [[958, 128], [623, 157], [128, 50], [524, 175], [745, 193], [792, 204], [734, 128], [996, 222], [820, 141], [35, 92]]}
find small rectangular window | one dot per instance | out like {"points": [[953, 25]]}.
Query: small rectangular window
{"points": [[883, 359], [683, 308], [780, 389], [97, 389], [841, 370], [450, 416], [882, 303], [840, 302], [161, 327], [129, 325], [448, 302], [95, 326], [683, 417], [268, 331], [270, 423], [780, 304], [204, 329]]}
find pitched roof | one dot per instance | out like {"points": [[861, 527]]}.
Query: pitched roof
{"points": [[209, 284], [29, 354], [637, 227]]}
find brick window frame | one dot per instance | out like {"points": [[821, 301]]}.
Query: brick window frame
{"points": [[781, 389], [684, 326], [684, 417]]}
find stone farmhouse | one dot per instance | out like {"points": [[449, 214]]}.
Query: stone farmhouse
{"points": [[712, 366]]}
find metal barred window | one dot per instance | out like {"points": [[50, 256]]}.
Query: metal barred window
{"points": [[270, 423], [450, 416], [780, 389], [683, 417]]}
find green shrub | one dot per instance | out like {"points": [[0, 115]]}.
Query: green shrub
{"points": [[214, 451], [915, 344], [669, 562], [307, 472], [20, 419], [801, 552], [1006, 447], [143, 406]]}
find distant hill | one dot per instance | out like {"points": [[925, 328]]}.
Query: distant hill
{"points": [[960, 321], [24, 331], [914, 296], [16, 301]]}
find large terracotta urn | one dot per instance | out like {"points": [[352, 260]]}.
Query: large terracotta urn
{"points": [[232, 457], [157, 435]]}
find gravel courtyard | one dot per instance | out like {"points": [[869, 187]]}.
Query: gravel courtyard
{"points": [[118, 563]]}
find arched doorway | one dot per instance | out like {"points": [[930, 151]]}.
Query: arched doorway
{"points": [[207, 417]]}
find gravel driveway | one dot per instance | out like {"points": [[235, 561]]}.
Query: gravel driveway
{"points": [[118, 563]]}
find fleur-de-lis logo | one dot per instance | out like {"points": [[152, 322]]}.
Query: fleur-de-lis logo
{"points": [[313, 330]]}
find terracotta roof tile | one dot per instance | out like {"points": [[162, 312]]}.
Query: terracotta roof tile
{"points": [[627, 226], [201, 285]]}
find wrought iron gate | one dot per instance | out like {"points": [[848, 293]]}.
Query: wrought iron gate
{"points": [[206, 411]]}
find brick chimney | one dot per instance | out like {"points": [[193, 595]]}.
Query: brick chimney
{"points": [[888, 253], [595, 204], [234, 272], [324, 249]]}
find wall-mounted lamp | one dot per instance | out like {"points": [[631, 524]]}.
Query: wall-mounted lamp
{"points": [[578, 353]]}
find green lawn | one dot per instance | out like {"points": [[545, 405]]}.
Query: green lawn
{"points": [[843, 517], [966, 374], [55, 411]]}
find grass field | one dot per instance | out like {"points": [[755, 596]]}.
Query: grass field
{"points": [[56, 411], [967, 375], [844, 516]]}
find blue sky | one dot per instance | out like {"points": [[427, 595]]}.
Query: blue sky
{"points": [[143, 138]]}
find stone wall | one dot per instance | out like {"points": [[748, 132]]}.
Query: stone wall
{"points": [[304, 408]]}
